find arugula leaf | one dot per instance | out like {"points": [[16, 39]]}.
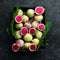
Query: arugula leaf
{"points": [[12, 23], [11, 29], [47, 28]]}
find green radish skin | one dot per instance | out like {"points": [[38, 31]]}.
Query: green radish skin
{"points": [[19, 25], [36, 41], [38, 34], [28, 37], [17, 35], [30, 13], [38, 18], [27, 44], [20, 12], [25, 18]]}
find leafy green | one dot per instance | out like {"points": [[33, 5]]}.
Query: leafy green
{"points": [[11, 29], [47, 28]]}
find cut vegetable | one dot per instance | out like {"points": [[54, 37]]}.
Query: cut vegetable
{"points": [[32, 31], [41, 27], [39, 10], [24, 31], [32, 47], [18, 19], [15, 47]]}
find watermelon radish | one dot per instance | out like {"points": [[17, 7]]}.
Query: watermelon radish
{"points": [[32, 31], [38, 18], [41, 27], [25, 18], [33, 47], [20, 42], [35, 24], [24, 31], [38, 34], [17, 35], [28, 25], [27, 44], [30, 13], [20, 12], [36, 41], [39, 10], [28, 37], [18, 19], [19, 25], [15, 47]]}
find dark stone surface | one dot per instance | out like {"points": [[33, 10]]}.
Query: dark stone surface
{"points": [[52, 15]]}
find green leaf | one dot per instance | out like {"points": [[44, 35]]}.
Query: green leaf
{"points": [[12, 22], [47, 28]]}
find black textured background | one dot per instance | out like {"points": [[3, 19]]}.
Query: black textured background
{"points": [[52, 14]]}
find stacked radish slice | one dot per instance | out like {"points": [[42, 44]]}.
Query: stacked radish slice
{"points": [[29, 29]]}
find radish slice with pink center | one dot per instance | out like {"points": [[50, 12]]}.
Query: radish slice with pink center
{"points": [[18, 19], [32, 47], [32, 31], [24, 31], [41, 27], [39, 10], [15, 47]]}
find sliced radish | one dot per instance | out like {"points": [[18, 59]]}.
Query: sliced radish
{"points": [[32, 47], [32, 31], [39, 10], [41, 27], [24, 31], [18, 19], [15, 47]]}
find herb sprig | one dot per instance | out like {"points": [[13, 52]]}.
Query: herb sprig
{"points": [[47, 28]]}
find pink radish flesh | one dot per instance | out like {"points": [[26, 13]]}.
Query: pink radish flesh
{"points": [[15, 47], [32, 47], [32, 31], [18, 19], [41, 27], [39, 10], [24, 31]]}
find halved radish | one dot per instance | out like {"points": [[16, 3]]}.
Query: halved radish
{"points": [[15, 47], [39, 10], [41, 27], [33, 47], [24, 31], [32, 31], [18, 19]]}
